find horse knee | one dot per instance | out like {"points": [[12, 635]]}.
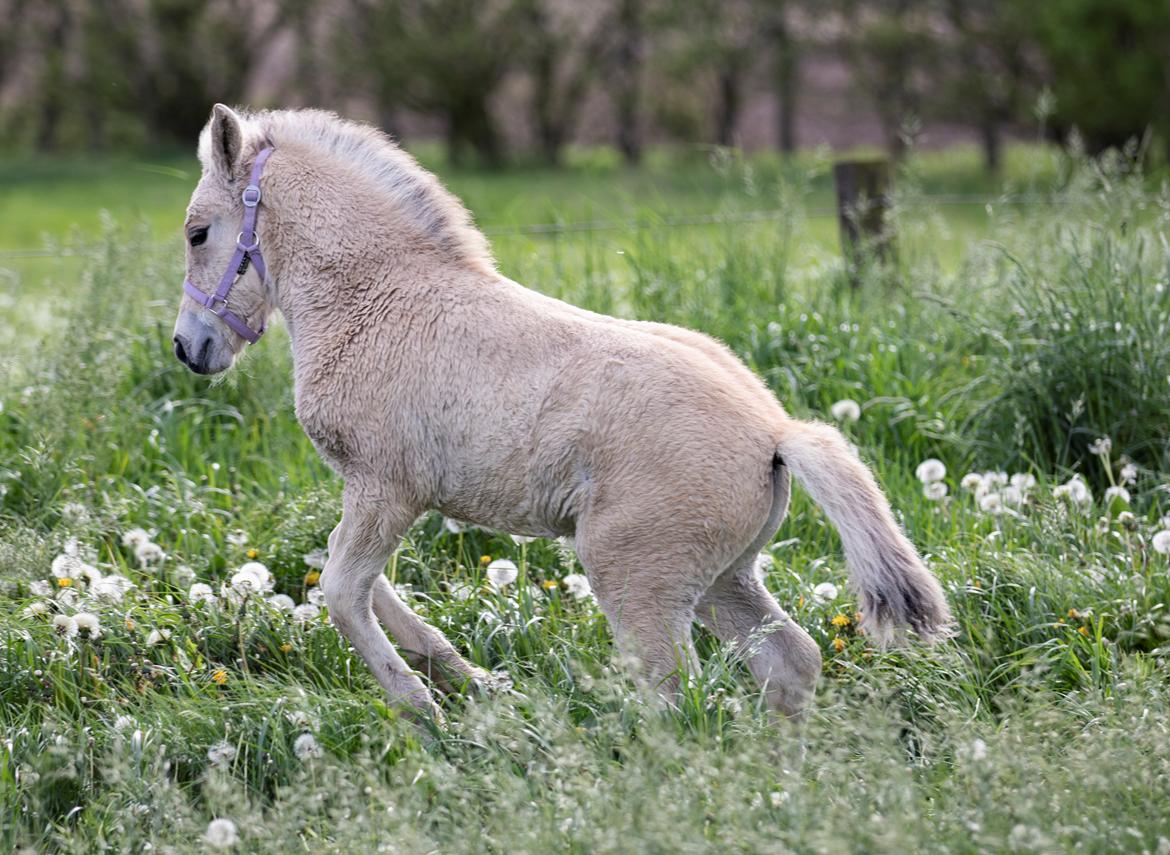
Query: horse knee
{"points": [[788, 668]]}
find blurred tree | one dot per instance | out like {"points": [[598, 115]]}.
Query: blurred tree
{"points": [[892, 45], [565, 45], [54, 20], [625, 74], [785, 53], [446, 58], [1109, 66], [991, 68]]}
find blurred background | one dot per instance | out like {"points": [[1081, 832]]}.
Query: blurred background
{"points": [[530, 81]]}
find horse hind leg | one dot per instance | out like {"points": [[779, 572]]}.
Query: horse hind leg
{"points": [[781, 655]]}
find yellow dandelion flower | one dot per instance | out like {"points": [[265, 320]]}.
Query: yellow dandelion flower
{"points": [[253, 553], [840, 621], [549, 584], [977, 584], [1059, 622], [1084, 630], [1073, 614], [312, 577], [286, 648], [485, 560], [64, 582], [129, 624], [800, 602], [838, 644], [219, 676]]}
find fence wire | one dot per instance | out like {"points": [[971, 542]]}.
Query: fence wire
{"points": [[649, 223]]}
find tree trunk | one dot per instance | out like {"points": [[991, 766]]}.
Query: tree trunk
{"points": [[53, 87], [992, 140], [727, 111], [628, 69], [787, 79]]}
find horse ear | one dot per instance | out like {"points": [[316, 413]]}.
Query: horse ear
{"points": [[227, 138]]}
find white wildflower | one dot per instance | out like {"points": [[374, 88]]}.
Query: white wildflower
{"points": [[1023, 481], [201, 593], [88, 624], [995, 479], [221, 834], [306, 612], [282, 602], [1161, 542], [65, 625], [222, 753], [149, 553], [306, 747], [978, 750], [991, 503], [75, 513], [1012, 495], [1127, 519], [825, 592], [135, 537], [972, 482], [252, 578], [931, 470], [157, 636], [112, 587], [935, 491], [1101, 447], [502, 573], [237, 538], [1129, 474], [577, 584], [1117, 493], [1075, 490], [846, 410], [315, 559], [454, 526]]}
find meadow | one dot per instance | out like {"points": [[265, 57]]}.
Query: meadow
{"points": [[169, 680]]}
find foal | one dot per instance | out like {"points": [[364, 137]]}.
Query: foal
{"points": [[428, 380]]}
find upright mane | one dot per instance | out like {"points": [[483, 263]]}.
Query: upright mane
{"points": [[416, 193]]}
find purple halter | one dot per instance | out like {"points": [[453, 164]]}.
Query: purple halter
{"points": [[245, 253]]}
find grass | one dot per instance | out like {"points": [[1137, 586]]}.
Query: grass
{"points": [[1041, 727]]}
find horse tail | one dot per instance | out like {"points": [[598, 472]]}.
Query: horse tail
{"points": [[894, 587]]}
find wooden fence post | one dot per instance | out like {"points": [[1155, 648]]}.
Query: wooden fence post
{"points": [[863, 200]]}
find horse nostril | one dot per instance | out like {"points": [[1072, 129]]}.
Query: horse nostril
{"points": [[180, 350]]}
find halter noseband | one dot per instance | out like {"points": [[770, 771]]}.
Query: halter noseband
{"points": [[245, 253]]}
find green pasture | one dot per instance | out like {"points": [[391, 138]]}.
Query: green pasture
{"points": [[1005, 337]]}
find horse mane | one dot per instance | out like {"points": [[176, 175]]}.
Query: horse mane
{"points": [[420, 197]]}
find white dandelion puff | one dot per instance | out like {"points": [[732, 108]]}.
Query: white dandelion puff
{"points": [[65, 625], [502, 573], [149, 553], [991, 480], [991, 503], [306, 747], [282, 603], [935, 491], [825, 592], [1117, 493], [846, 410], [75, 513], [222, 753], [1101, 446], [978, 750], [972, 482], [1129, 474], [124, 722], [315, 559], [1023, 481], [237, 538], [183, 575], [40, 588], [316, 597], [1075, 490], [577, 584], [135, 537], [113, 587], [36, 609], [221, 834], [88, 624], [157, 636], [521, 539], [930, 470], [1161, 542], [306, 612], [252, 578], [454, 526], [201, 592]]}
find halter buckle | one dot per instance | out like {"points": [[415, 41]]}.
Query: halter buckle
{"points": [[255, 242], [251, 196]]}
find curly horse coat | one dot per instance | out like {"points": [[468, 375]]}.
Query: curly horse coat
{"points": [[428, 380]]}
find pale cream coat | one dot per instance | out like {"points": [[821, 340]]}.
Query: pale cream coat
{"points": [[430, 381]]}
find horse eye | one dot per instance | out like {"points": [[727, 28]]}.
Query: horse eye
{"points": [[197, 236]]}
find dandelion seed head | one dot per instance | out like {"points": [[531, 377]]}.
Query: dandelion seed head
{"points": [[306, 612], [825, 592], [972, 482], [930, 470], [315, 559], [1161, 542], [935, 491], [1023, 481], [502, 573], [88, 624], [221, 834], [135, 537], [149, 553], [577, 584], [282, 602], [1119, 493], [65, 625], [306, 747], [846, 410], [1129, 474], [201, 592], [1102, 446]]}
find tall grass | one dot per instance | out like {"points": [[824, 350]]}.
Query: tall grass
{"points": [[1041, 727]]}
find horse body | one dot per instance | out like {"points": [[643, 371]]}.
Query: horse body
{"points": [[428, 380]]}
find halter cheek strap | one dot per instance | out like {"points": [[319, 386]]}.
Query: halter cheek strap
{"points": [[247, 252]]}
